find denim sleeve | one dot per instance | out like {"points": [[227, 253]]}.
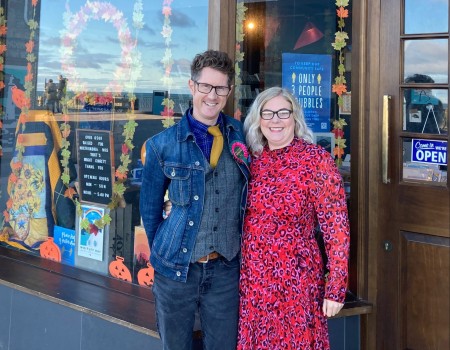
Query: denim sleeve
{"points": [[154, 185]]}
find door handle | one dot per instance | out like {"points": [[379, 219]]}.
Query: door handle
{"points": [[385, 141]]}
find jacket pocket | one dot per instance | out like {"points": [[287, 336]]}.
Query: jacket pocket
{"points": [[180, 184]]}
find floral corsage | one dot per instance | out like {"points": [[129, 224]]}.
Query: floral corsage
{"points": [[240, 153]]}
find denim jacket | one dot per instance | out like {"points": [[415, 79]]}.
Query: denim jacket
{"points": [[175, 162]]}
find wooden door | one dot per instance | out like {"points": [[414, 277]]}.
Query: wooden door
{"points": [[413, 246]]}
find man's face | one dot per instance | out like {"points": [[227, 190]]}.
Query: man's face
{"points": [[207, 106]]}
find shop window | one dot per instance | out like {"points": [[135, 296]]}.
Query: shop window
{"points": [[304, 46], [83, 85]]}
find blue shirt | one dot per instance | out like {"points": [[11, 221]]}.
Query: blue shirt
{"points": [[203, 138]]}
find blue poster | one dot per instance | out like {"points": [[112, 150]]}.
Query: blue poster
{"points": [[65, 239], [308, 77]]}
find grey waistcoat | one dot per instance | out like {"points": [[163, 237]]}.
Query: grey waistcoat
{"points": [[220, 226]]}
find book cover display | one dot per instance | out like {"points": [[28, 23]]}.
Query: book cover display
{"points": [[308, 78]]}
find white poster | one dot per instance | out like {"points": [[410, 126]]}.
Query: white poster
{"points": [[90, 242]]}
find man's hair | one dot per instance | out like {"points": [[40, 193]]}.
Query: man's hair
{"points": [[213, 59]]}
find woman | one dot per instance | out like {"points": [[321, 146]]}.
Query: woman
{"points": [[295, 187]]}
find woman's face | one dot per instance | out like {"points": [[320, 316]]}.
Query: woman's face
{"points": [[278, 132]]}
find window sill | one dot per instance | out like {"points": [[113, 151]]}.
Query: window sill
{"points": [[116, 301]]}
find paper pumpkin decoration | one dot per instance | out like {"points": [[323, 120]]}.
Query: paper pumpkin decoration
{"points": [[143, 153], [50, 250], [146, 276], [118, 269]]}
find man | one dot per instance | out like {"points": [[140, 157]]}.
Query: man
{"points": [[195, 251], [62, 86], [51, 97]]}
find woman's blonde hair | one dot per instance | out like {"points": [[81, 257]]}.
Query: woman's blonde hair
{"points": [[252, 124]]}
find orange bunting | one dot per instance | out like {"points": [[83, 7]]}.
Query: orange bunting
{"points": [[29, 46], [167, 112], [16, 165], [13, 178], [338, 133], [238, 114], [6, 215], [339, 89], [120, 175], [70, 192], [166, 11], [29, 77], [93, 229], [339, 152], [342, 12]]}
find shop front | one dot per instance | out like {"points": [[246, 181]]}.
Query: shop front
{"points": [[83, 84]]}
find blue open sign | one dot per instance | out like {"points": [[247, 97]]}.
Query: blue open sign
{"points": [[429, 151]]}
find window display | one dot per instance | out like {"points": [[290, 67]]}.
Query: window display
{"points": [[84, 84]]}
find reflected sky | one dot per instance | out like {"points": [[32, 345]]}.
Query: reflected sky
{"points": [[429, 16], [98, 52], [428, 57]]}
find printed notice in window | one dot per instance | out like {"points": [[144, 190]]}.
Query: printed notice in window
{"points": [[95, 165]]}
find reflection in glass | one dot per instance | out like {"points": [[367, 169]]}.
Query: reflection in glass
{"points": [[428, 57], [424, 164], [104, 55], [119, 61], [425, 111], [429, 16]]}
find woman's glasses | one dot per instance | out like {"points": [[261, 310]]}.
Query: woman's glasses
{"points": [[283, 113]]}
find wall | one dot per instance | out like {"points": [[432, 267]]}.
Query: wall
{"points": [[31, 322]]}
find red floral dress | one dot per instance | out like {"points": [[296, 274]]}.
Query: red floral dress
{"points": [[282, 283]]}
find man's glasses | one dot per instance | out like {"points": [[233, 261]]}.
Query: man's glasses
{"points": [[206, 89], [283, 113]]}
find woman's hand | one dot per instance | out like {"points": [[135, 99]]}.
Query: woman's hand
{"points": [[331, 308]]}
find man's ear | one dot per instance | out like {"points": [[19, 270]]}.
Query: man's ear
{"points": [[191, 86]]}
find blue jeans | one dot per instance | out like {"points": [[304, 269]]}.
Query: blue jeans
{"points": [[212, 289]]}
